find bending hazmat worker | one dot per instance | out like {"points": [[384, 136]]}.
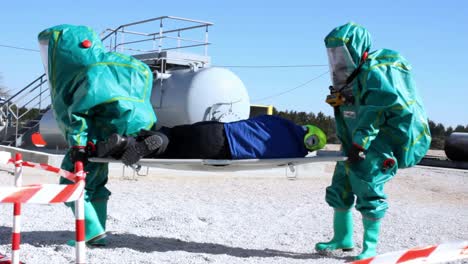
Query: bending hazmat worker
{"points": [[382, 125], [94, 94]]}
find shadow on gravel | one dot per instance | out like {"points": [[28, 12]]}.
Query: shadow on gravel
{"points": [[155, 244], [163, 244], [37, 238]]}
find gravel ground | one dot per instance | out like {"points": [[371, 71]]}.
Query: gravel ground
{"points": [[242, 217]]}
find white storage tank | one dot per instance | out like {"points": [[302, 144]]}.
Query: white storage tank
{"points": [[187, 96]]}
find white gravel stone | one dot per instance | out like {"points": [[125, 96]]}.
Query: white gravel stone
{"points": [[242, 217]]}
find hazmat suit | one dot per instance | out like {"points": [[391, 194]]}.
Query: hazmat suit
{"points": [[381, 124], [94, 94]]}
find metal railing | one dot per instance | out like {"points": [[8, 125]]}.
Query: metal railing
{"points": [[118, 38]]}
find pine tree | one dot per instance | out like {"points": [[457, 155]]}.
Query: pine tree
{"points": [[459, 128]]}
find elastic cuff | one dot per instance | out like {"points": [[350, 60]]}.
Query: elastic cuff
{"points": [[362, 140], [388, 163], [372, 218], [91, 146], [358, 146], [342, 209]]}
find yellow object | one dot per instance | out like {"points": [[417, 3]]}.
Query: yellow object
{"points": [[256, 110], [335, 99]]}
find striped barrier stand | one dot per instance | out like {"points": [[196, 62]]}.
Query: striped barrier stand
{"points": [[80, 245], [16, 235], [46, 194], [432, 254]]}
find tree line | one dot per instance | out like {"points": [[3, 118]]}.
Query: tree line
{"points": [[439, 132], [327, 123]]}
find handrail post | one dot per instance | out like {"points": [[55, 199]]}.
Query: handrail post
{"points": [[40, 95], [206, 41], [178, 39], [115, 41], [122, 41], [16, 125], [160, 35]]}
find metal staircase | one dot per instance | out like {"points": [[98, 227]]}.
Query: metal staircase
{"points": [[20, 114]]}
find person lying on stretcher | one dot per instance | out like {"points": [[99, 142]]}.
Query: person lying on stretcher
{"points": [[262, 137]]}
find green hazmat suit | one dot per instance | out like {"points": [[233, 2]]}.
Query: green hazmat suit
{"points": [[387, 120], [383, 117], [94, 94]]}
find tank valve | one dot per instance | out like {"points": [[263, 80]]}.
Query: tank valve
{"points": [[161, 76]]}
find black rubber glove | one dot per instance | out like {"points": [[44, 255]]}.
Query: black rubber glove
{"points": [[356, 154], [79, 154]]}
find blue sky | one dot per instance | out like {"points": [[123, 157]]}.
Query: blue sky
{"points": [[432, 35]]}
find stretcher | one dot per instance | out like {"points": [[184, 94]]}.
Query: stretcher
{"points": [[233, 165]]}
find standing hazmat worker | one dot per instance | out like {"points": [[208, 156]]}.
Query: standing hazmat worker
{"points": [[382, 125], [94, 94]]}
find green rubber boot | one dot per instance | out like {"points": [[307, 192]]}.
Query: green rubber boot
{"points": [[371, 235], [343, 233], [100, 206], [94, 231]]}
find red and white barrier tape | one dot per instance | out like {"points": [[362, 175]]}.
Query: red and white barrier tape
{"points": [[65, 174], [432, 254], [45, 194], [6, 260], [42, 193]]}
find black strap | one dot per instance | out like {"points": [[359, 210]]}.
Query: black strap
{"points": [[354, 74]]}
